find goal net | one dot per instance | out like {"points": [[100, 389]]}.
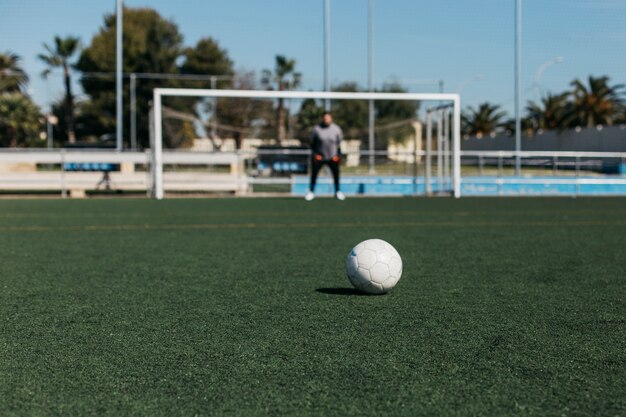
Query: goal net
{"points": [[247, 141]]}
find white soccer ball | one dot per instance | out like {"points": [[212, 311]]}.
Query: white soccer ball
{"points": [[374, 266]]}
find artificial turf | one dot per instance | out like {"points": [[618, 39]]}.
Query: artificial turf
{"points": [[241, 307]]}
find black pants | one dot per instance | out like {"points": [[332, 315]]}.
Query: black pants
{"points": [[315, 169]]}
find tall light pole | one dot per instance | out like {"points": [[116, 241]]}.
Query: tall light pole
{"points": [[541, 70], [133, 111], [518, 92], [327, 51], [118, 76], [370, 79], [51, 121], [214, 113]]}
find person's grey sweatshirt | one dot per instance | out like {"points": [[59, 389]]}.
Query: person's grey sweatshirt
{"points": [[325, 140]]}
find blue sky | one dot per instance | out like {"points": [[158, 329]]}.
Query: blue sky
{"points": [[416, 42]]}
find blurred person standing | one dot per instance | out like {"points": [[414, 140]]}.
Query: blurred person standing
{"points": [[325, 140]]}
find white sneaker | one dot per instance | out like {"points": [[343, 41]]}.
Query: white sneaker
{"points": [[340, 196], [309, 196]]}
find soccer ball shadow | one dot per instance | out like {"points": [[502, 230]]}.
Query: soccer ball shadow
{"points": [[344, 291]]}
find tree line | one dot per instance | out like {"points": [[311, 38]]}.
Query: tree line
{"points": [[154, 45], [596, 102]]}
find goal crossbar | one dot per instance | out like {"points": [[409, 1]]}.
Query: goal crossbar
{"points": [[333, 95], [157, 153]]}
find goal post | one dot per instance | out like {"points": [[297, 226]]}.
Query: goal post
{"points": [[452, 100]]}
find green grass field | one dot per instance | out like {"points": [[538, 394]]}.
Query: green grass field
{"points": [[241, 307]]}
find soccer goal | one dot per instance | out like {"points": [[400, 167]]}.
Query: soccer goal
{"points": [[394, 143]]}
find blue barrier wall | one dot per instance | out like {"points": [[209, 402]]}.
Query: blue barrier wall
{"points": [[91, 166], [352, 185], [470, 186]]}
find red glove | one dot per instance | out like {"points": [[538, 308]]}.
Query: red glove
{"points": [[336, 159], [317, 157]]}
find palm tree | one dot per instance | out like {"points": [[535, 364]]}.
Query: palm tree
{"points": [[483, 120], [13, 79], [283, 78], [595, 104], [60, 56], [19, 120], [550, 114]]}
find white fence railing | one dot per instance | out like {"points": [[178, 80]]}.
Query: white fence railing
{"points": [[45, 170]]}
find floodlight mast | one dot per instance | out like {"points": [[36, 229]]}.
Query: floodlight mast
{"points": [[157, 150], [370, 82], [456, 144], [327, 51], [518, 87], [118, 75]]}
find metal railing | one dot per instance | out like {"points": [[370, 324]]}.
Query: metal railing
{"points": [[239, 172], [543, 162]]}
